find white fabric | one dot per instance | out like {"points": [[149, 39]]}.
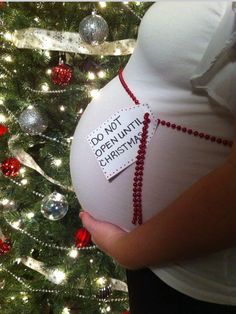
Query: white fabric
{"points": [[173, 39]]}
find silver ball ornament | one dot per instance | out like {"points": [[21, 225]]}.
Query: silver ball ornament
{"points": [[32, 121], [54, 206], [93, 29]]}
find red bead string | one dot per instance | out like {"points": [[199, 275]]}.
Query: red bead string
{"points": [[139, 167], [138, 175]]}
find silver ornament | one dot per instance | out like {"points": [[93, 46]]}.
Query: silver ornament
{"points": [[54, 206], [93, 29], [32, 121]]}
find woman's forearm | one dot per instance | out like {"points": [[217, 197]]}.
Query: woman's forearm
{"points": [[201, 221]]}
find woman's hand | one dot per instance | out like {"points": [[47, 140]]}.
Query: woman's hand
{"points": [[108, 237]]}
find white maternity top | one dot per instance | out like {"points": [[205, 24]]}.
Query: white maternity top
{"points": [[166, 70]]}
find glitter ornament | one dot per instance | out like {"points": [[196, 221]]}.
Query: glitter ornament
{"points": [[93, 29], [61, 74], [3, 129], [82, 238], [104, 288], [32, 121], [54, 206], [11, 167], [5, 246]]}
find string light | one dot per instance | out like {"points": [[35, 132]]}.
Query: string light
{"points": [[66, 310], [62, 108], [73, 253], [16, 224], [30, 215], [36, 19], [2, 76], [94, 93], [8, 36], [57, 276], [24, 181], [102, 4], [2, 118], [49, 71], [5, 201], [57, 162], [91, 261], [7, 58], [22, 171], [101, 74], [46, 53], [101, 281], [81, 110], [91, 75], [45, 87]]}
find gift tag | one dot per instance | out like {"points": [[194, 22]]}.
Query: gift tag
{"points": [[115, 143]]}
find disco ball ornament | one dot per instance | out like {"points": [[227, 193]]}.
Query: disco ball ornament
{"points": [[93, 29], [32, 121], [54, 206], [10, 167], [61, 74]]}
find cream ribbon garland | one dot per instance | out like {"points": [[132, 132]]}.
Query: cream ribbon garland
{"points": [[28, 161], [39, 267], [36, 38]]}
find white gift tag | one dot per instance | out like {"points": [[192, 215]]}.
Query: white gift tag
{"points": [[115, 143]]}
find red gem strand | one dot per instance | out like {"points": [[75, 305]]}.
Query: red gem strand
{"points": [[139, 168], [138, 175]]}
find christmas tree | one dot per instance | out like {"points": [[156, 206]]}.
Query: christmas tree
{"points": [[48, 263]]}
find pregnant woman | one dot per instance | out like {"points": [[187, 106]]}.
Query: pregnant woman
{"points": [[170, 217]]}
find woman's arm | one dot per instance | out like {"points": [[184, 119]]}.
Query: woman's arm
{"points": [[201, 221]]}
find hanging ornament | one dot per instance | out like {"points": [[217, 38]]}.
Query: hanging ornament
{"points": [[32, 121], [3, 129], [5, 246], [10, 167], [82, 238], [61, 74], [93, 29], [125, 312], [54, 206], [104, 288]]}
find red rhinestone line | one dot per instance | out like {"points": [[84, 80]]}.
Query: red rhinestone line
{"points": [[139, 167]]}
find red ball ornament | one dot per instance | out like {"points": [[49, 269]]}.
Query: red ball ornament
{"points": [[82, 238], [3, 129], [125, 312], [5, 246], [61, 74], [10, 167]]}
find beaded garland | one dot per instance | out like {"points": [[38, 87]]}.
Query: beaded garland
{"points": [[139, 167]]}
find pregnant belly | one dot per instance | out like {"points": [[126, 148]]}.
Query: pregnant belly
{"points": [[174, 161]]}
